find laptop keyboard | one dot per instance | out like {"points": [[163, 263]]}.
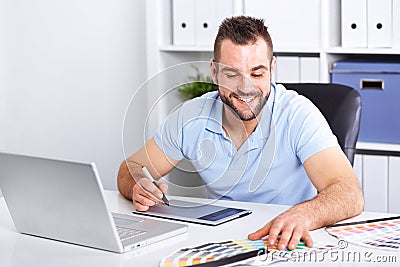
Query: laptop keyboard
{"points": [[127, 233], [126, 228]]}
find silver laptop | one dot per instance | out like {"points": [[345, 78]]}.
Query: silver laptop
{"points": [[64, 201]]}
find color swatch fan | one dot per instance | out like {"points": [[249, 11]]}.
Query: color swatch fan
{"points": [[228, 252], [379, 233]]}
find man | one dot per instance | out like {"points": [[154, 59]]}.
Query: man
{"points": [[252, 141]]}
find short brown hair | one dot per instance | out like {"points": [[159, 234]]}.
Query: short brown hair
{"points": [[241, 30]]}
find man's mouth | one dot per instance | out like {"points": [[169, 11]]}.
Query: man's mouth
{"points": [[245, 99]]}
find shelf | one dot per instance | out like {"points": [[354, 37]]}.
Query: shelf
{"points": [[332, 50], [363, 51], [378, 146], [181, 48], [291, 50], [176, 48]]}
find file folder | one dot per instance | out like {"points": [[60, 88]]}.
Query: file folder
{"points": [[287, 69], [209, 15], [224, 9], [375, 190], [309, 69], [379, 23], [206, 22], [396, 24], [183, 13], [288, 20], [354, 23]]}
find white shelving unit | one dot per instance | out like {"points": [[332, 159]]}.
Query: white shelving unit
{"points": [[161, 49], [163, 54]]}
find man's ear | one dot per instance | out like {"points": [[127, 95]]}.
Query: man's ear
{"points": [[273, 66], [213, 70]]}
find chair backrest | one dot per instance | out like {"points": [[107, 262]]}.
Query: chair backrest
{"points": [[341, 106]]}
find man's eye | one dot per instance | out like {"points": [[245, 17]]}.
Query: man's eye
{"points": [[231, 75], [257, 75]]}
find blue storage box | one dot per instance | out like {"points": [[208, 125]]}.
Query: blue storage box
{"points": [[379, 87]]}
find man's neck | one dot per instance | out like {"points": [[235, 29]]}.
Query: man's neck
{"points": [[237, 129]]}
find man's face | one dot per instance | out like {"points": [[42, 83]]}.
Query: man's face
{"points": [[243, 74]]}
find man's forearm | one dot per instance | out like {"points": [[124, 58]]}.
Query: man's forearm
{"points": [[337, 202]]}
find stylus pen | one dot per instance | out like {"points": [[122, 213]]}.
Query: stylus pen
{"points": [[146, 172]]}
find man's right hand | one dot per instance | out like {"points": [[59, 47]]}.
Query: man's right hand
{"points": [[145, 194], [133, 183]]}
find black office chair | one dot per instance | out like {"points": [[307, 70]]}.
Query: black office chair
{"points": [[341, 106]]}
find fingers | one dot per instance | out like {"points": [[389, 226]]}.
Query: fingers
{"points": [[297, 235], [145, 194], [260, 232], [151, 189], [142, 203], [285, 231], [284, 238], [307, 239], [163, 187], [274, 231], [295, 239]]}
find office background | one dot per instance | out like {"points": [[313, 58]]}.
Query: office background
{"points": [[69, 68]]}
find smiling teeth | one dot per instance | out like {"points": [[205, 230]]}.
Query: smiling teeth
{"points": [[247, 100]]}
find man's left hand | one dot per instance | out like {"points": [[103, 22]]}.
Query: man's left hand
{"points": [[286, 231]]}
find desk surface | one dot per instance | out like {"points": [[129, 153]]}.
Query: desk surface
{"points": [[18, 250]]}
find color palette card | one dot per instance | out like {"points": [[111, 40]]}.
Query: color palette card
{"points": [[211, 252], [383, 234], [227, 252]]}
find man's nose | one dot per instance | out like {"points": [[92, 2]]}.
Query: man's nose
{"points": [[245, 85]]}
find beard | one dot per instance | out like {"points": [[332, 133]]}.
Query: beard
{"points": [[245, 111]]}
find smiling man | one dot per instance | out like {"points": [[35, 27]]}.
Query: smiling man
{"points": [[252, 140]]}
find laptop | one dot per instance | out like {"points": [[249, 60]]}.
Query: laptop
{"points": [[64, 201]]}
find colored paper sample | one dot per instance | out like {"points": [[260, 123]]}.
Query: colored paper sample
{"points": [[216, 254], [383, 234]]}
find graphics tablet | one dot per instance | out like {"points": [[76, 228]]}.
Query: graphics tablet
{"points": [[195, 212]]}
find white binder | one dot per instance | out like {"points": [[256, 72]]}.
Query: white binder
{"points": [[183, 13], [379, 23], [291, 23], [206, 22], [394, 185], [396, 24], [309, 69], [375, 190], [224, 10], [354, 23], [209, 15], [287, 69]]}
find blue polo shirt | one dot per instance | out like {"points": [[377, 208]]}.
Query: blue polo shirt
{"points": [[268, 167]]}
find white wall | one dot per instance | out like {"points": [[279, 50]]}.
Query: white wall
{"points": [[72, 67], [2, 71], [2, 66]]}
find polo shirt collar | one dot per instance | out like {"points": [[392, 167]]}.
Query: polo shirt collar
{"points": [[263, 128], [214, 123]]}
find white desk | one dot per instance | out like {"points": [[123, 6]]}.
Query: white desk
{"points": [[18, 250]]}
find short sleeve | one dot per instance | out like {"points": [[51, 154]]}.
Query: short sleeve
{"points": [[169, 136], [309, 132], [181, 130]]}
